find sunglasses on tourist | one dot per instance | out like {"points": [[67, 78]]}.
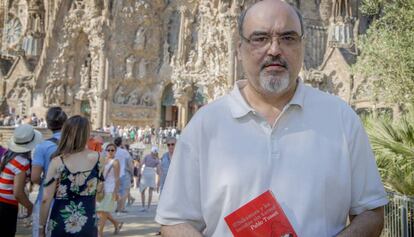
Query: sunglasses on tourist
{"points": [[170, 144], [110, 150]]}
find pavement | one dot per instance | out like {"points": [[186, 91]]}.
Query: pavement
{"points": [[136, 223]]}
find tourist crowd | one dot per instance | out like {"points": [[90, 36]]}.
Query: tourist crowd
{"points": [[16, 120], [146, 135], [82, 179]]}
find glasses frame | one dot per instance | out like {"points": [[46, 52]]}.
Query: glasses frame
{"points": [[110, 150], [249, 41]]}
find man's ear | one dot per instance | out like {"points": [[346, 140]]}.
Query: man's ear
{"points": [[238, 51]]}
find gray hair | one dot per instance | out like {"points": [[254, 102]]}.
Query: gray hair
{"points": [[244, 12]]}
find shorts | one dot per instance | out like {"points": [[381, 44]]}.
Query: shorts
{"points": [[125, 184]]}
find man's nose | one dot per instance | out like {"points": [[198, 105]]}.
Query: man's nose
{"points": [[274, 47]]}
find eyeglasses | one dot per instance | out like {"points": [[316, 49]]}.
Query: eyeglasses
{"points": [[110, 150], [262, 40], [170, 144]]}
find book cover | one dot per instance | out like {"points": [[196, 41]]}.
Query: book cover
{"points": [[262, 217]]}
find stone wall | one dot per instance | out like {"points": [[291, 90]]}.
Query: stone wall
{"points": [[113, 60]]}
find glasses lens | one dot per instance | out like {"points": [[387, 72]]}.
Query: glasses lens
{"points": [[170, 144], [260, 40], [290, 39], [110, 150]]}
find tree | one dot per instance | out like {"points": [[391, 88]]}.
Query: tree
{"points": [[393, 145], [387, 52]]}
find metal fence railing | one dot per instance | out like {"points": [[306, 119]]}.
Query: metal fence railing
{"points": [[399, 216]]}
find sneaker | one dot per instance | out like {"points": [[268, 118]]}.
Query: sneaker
{"points": [[142, 209]]}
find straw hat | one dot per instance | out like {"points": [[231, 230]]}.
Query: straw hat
{"points": [[24, 139]]}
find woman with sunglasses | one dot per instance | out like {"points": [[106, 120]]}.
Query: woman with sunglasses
{"points": [[111, 186], [166, 160]]}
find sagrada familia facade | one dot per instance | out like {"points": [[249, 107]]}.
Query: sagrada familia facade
{"points": [[154, 62]]}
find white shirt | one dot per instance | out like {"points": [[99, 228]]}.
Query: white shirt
{"points": [[317, 161], [123, 156]]}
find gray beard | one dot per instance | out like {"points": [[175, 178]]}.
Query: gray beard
{"points": [[270, 83]]}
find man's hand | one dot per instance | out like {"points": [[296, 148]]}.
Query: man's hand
{"points": [[367, 224]]}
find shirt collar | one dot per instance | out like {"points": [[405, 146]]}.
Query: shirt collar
{"points": [[299, 96], [239, 107]]}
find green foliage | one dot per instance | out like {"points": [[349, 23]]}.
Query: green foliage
{"points": [[393, 145], [387, 52], [371, 7]]}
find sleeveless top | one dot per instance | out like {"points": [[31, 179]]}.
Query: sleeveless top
{"points": [[73, 212], [109, 184]]}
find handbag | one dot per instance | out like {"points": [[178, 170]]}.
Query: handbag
{"points": [[100, 190]]}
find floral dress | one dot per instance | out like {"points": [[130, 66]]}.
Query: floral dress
{"points": [[73, 212]]}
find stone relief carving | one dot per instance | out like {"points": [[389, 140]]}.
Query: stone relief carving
{"points": [[129, 66], [142, 114], [55, 94], [13, 32], [133, 97], [142, 68], [148, 30], [85, 73], [147, 100], [21, 89], [78, 5], [70, 95], [120, 96], [140, 39]]}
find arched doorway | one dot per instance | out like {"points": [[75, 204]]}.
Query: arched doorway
{"points": [[169, 110]]}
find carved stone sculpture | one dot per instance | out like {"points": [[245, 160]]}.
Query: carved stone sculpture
{"points": [[147, 100], [69, 95], [129, 66], [120, 96], [142, 68], [59, 94], [140, 38], [134, 97], [48, 94], [85, 74]]}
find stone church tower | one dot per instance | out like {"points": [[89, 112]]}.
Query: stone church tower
{"points": [[152, 62]]}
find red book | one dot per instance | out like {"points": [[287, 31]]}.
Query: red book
{"points": [[261, 217]]}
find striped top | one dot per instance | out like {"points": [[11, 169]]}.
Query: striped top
{"points": [[15, 166]]}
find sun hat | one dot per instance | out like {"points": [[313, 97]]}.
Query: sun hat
{"points": [[24, 139], [154, 149]]}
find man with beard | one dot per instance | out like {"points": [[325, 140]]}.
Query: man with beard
{"points": [[273, 133]]}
